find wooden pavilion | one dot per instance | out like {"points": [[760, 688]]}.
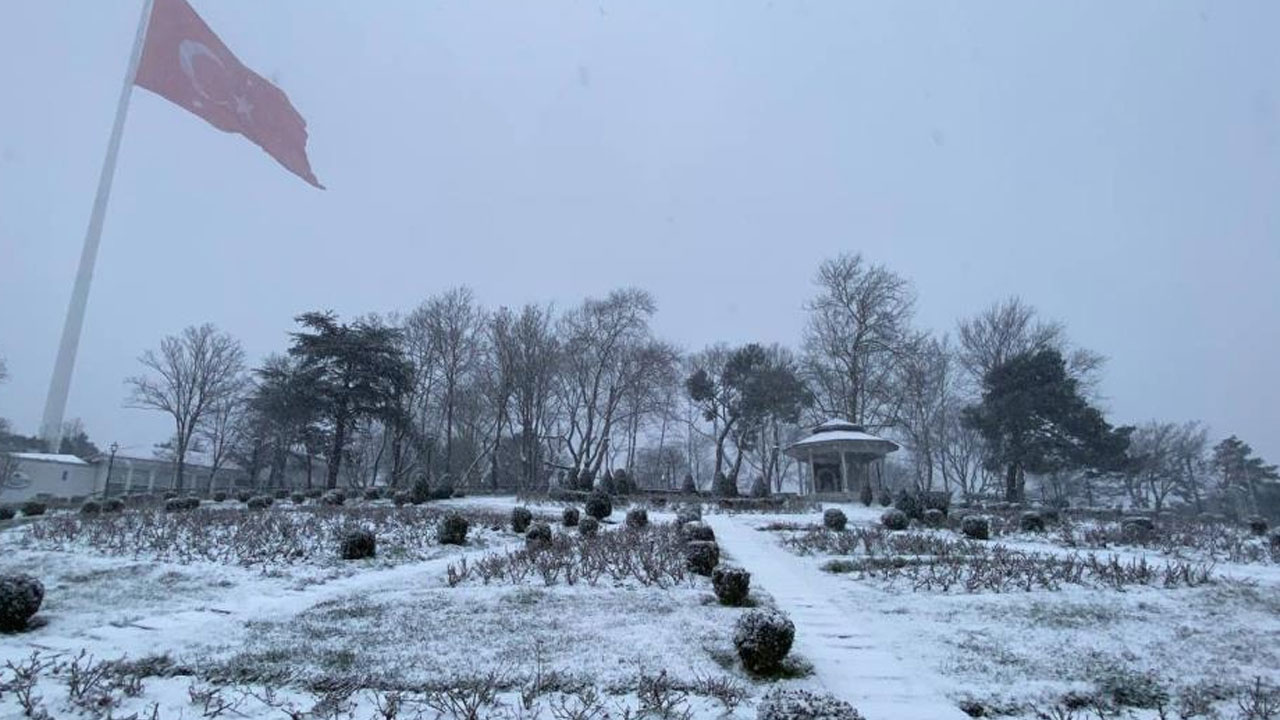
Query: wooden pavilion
{"points": [[840, 457]]}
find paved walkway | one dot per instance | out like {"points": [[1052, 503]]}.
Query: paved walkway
{"points": [[852, 658]]}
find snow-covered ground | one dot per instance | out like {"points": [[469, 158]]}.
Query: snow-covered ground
{"points": [[278, 637]]}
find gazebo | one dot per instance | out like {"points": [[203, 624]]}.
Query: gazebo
{"points": [[840, 457]]}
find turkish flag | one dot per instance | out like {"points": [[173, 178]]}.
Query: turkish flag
{"points": [[184, 62]]}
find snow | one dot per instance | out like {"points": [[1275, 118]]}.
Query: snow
{"points": [[50, 457]]}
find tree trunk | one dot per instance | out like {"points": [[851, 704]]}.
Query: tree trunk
{"points": [[335, 453], [1013, 484]]}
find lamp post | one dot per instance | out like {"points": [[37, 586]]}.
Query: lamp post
{"points": [[111, 461]]}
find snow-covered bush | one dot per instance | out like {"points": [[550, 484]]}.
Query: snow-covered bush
{"points": [[731, 585], [298, 498], [1137, 528], [539, 536], [909, 504], [245, 496], [588, 526], [1258, 525], [334, 498], [622, 482], [20, 598], [259, 502], [783, 704], [885, 498], [401, 498], [835, 519], [32, 508], [688, 486], [6, 512], [113, 505], [570, 517], [763, 638], [895, 520], [637, 518], [372, 493], [688, 514], [865, 495], [313, 493], [219, 496], [976, 527], [452, 530], [520, 519], [701, 556], [280, 494], [357, 545], [599, 505], [1031, 521], [934, 518], [91, 507], [178, 504], [697, 530]]}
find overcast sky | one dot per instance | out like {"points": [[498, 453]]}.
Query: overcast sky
{"points": [[1115, 164]]}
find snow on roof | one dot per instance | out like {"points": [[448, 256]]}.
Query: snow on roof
{"points": [[50, 457], [837, 434]]}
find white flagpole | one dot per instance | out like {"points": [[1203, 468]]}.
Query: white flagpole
{"points": [[56, 402]]}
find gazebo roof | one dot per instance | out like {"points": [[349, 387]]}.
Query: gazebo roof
{"points": [[837, 436]]}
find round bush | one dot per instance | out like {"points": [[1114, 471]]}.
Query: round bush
{"points": [[20, 598], [834, 519], [168, 495], [280, 494], [298, 498], [453, 530], [258, 502], [520, 519], [637, 519], [334, 498], [885, 499], [570, 517], [1031, 521], [91, 507], [6, 512], [701, 557], [975, 527], [763, 639], [697, 530], [313, 493], [865, 495], [113, 505], [1137, 528], [177, 505], [33, 508], [244, 496], [1274, 540], [219, 496], [895, 520], [588, 526], [688, 514], [402, 498], [780, 704], [731, 585], [934, 518], [357, 545], [599, 506], [372, 493], [1258, 526], [539, 535]]}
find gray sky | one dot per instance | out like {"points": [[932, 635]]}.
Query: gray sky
{"points": [[1116, 164]]}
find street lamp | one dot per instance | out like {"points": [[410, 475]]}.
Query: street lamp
{"points": [[106, 486]]}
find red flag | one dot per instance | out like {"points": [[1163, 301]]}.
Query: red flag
{"points": [[184, 62]]}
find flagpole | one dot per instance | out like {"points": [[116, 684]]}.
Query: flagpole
{"points": [[59, 386]]}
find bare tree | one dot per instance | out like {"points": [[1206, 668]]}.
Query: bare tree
{"points": [[220, 427], [962, 454], [1011, 327], [927, 389], [192, 372], [1190, 448], [857, 333], [455, 325], [536, 355]]}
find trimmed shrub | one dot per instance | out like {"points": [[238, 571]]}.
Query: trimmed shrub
{"points": [[91, 507], [688, 514], [372, 493], [934, 499], [259, 502], [885, 499], [334, 498], [1031, 521], [181, 504], [781, 704], [759, 488], [724, 487], [401, 498], [298, 498], [589, 527], [280, 494], [452, 530], [895, 520], [622, 482], [934, 518], [32, 508], [834, 519], [731, 585], [244, 496], [520, 519], [1258, 525], [219, 496], [909, 504], [314, 493], [701, 556], [1137, 528], [168, 495], [444, 490], [637, 518], [586, 481], [7, 513], [113, 505], [975, 527], [420, 492], [697, 531], [20, 598], [606, 485], [357, 545], [688, 486], [539, 536], [866, 495], [599, 506], [570, 517], [763, 639], [1274, 540]]}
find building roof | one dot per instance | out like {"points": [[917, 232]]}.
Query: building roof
{"points": [[836, 436], [50, 457]]}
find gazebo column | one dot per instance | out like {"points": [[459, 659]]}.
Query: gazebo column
{"points": [[844, 472], [813, 481]]}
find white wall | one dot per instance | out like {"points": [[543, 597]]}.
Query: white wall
{"points": [[43, 477]]}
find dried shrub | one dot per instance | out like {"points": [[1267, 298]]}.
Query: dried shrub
{"points": [[834, 519], [452, 530], [20, 598], [32, 508], [702, 556], [1031, 521], [357, 545], [895, 520], [520, 519], [975, 527], [570, 517], [731, 584], [783, 704], [697, 530], [637, 518], [599, 506], [588, 527], [763, 638]]}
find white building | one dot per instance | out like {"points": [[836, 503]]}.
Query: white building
{"points": [[47, 475]]}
